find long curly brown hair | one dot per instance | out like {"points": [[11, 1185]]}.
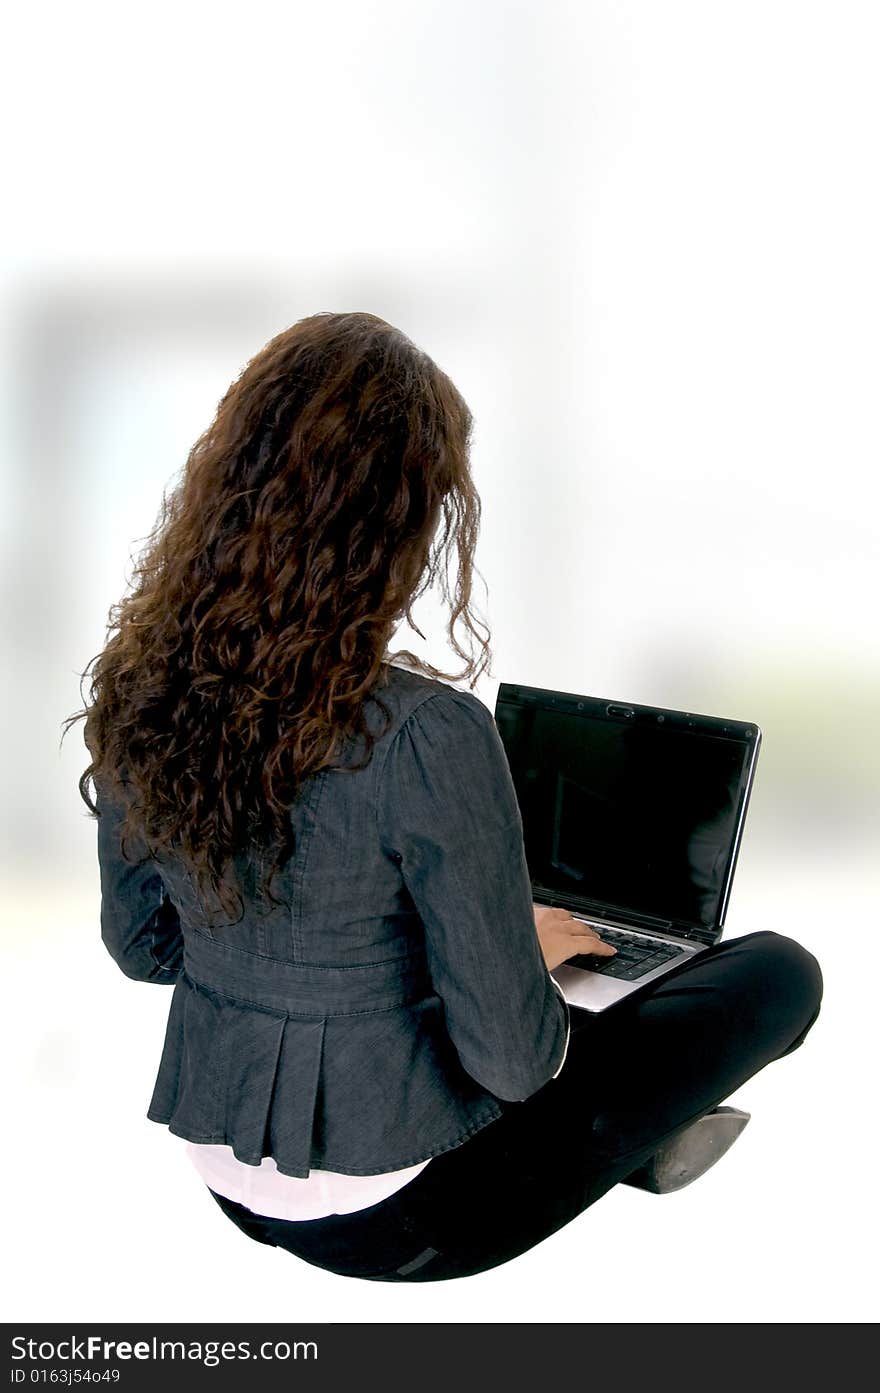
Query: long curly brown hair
{"points": [[300, 532]]}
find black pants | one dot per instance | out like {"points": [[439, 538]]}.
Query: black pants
{"points": [[634, 1076]]}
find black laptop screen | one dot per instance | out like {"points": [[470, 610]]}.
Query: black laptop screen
{"points": [[632, 816]]}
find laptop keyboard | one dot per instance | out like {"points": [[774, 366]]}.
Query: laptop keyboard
{"points": [[634, 956]]}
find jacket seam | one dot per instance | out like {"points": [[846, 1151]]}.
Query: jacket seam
{"points": [[299, 871], [312, 967], [310, 1015], [380, 771], [473, 701]]}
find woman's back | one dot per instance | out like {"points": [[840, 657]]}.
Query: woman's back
{"points": [[375, 1018]]}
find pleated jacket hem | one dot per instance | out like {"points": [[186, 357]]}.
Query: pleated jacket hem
{"points": [[270, 1081]]}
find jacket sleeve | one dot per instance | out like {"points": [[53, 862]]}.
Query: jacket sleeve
{"points": [[140, 927], [447, 813]]}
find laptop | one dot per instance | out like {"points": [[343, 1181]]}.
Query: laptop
{"points": [[632, 821]]}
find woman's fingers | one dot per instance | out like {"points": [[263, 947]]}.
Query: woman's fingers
{"points": [[582, 935], [601, 946], [597, 945], [591, 943]]}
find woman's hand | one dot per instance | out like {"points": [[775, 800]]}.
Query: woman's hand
{"points": [[561, 936]]}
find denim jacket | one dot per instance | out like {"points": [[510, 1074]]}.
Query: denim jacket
{"points": [[378, 1017]]}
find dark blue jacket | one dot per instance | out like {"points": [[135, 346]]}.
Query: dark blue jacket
{"points": [[379, 1017]]}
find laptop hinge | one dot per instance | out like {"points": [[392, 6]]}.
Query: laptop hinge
{"points": [[600, 911], [597, 910], [705, 936]]}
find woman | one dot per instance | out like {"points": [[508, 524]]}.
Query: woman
{"points": [[321, 850]]}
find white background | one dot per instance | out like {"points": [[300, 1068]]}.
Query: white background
{"points": [[642, 239]]}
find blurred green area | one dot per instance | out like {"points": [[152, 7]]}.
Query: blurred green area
{"points": [[820, 756]]}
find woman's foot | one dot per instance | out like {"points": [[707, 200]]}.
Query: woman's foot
{"points": [[690, 1153]]}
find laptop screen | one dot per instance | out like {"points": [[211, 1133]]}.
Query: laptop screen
{"points": [[640, 815]]}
